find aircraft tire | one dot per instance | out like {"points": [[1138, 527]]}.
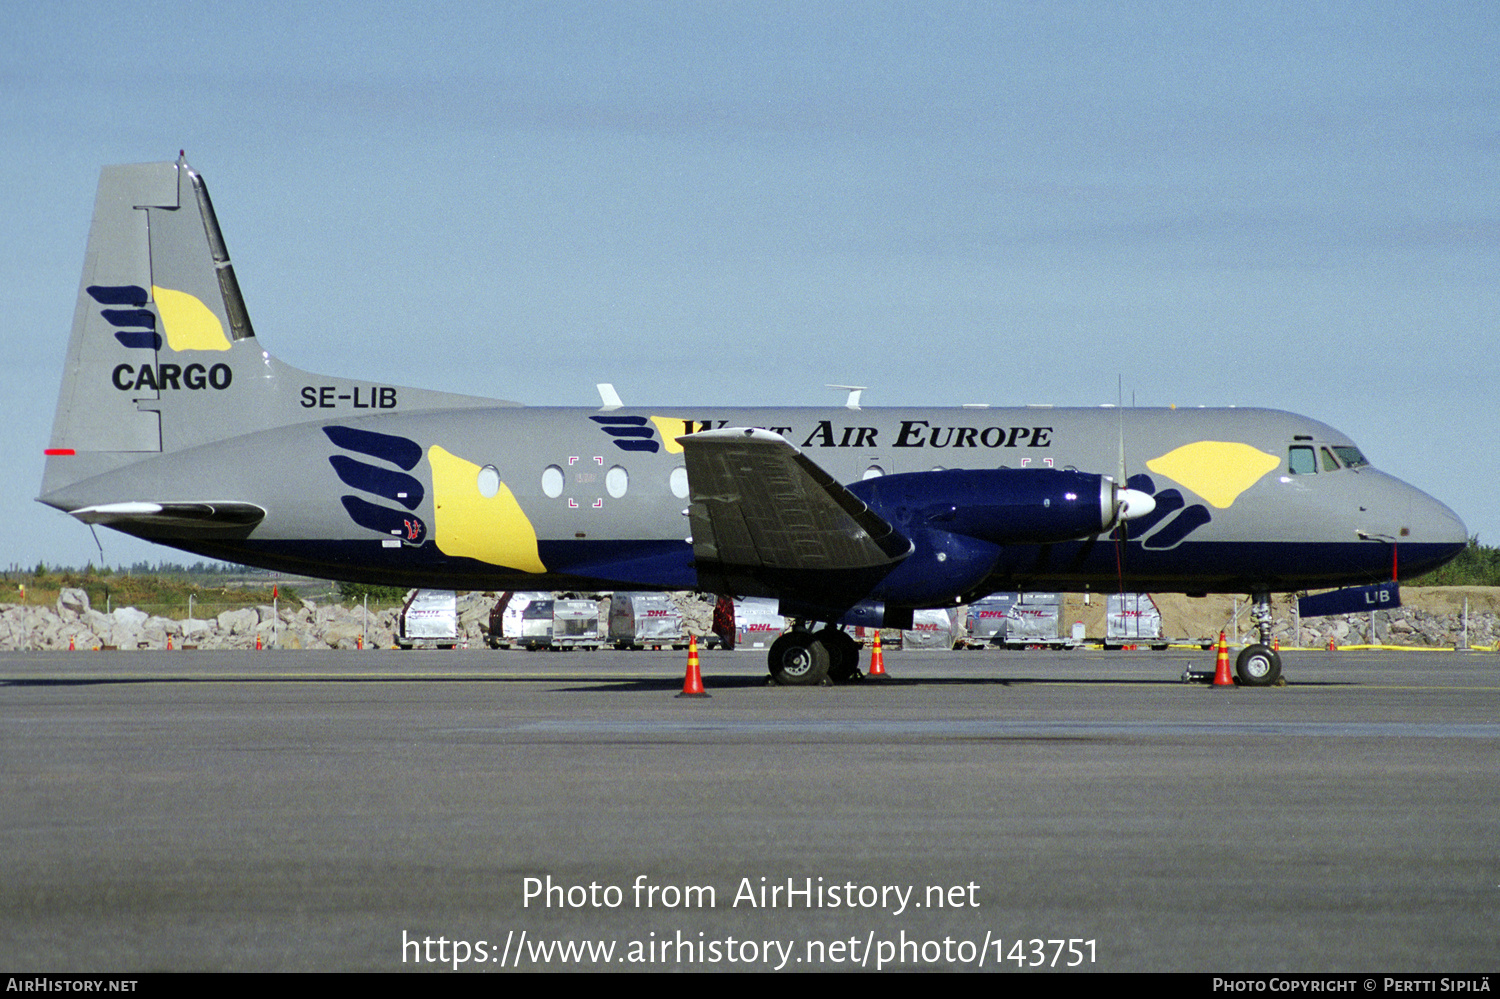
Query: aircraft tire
{"points": [[843, 655], [1258, 666], [798, 659]]}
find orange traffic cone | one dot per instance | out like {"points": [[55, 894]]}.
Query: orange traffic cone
{"points": [[1332, 647], [257, 641], [71, 646], [877, 661], [1222, 677], [692, 684], [169, 643]]}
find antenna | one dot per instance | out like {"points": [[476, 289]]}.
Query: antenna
{"points": [[854, 391], [97, 545], [609, 397]]}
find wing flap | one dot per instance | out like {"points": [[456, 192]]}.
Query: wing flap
{"points": [[761, 508]]}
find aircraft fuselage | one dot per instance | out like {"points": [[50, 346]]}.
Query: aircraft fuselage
{"points": [[605, 492]]}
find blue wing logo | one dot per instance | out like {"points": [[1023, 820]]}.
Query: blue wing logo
{"points": [[380, 481], [630, 433], [134, 327], [1172, 515]]}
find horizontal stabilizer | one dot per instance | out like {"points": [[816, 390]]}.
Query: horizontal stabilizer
{"points": [[174, 519], [760, 508]]}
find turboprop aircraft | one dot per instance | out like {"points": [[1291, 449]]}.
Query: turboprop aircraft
{"points": [[174, 425]]}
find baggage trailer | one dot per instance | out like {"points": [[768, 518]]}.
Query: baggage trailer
{"points": [[1132, 619], [1033, 622], [545, 622], [934, 628], [428, 619], [756, 624], [506, 617], [645, 620], [987, 617], [575, 625], [554, 623]]}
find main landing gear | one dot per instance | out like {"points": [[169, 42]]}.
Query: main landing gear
{"points": [[1259, 665], [805, 658]]}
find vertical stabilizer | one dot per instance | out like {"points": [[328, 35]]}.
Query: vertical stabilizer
{"points": [[114, 322], [152, 357], [162, 355]]}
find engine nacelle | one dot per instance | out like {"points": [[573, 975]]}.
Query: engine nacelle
{"points": [[865, 614], [1002, 506]]}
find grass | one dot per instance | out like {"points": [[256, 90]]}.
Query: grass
{"points": [[168, 594]]}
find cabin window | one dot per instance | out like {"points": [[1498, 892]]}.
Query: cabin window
{"points": [[679, 482], [488, 481], [552, 481], [873, 472], [616, 481], [1301, 461]]}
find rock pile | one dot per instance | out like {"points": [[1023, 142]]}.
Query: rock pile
{"points": [[1403, 626], [294, 625]]}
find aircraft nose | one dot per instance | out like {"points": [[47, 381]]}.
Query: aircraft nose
{"points": [[1429, 534], [1434, 523], [1433, 519]]}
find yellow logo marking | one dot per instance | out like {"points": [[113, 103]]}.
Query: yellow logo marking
{"points": [[190, 324], [468, 524], [1216, 470], [670, 429]]}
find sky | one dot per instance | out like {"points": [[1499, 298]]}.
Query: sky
{"points": [[1220, 204]]}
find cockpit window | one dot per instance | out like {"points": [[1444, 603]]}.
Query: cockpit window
{"points": [[1304, 459], [1351, 457]]}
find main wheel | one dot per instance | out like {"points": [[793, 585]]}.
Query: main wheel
{"points": [[798, 659], [843, 655], [1258, 666]]}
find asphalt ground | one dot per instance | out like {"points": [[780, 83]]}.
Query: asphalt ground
{"points": [[1007, 811]]}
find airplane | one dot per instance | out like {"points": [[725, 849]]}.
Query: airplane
{"points": [[173, 424]]}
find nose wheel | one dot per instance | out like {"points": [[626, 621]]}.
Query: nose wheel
{"points": [[1259, 665]]}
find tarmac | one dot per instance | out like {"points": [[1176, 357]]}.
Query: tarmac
{"points": [[477, 810]]}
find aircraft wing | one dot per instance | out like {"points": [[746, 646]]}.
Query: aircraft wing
{"points": [[766, 519]]}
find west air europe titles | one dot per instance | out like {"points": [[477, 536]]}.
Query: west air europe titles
{"points": [[912, 433]]}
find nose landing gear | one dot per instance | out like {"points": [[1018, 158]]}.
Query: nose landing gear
{"points": [[1259, 665]]}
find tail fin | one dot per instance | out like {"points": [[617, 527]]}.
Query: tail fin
{"points": [[162, 355], [159, 316]]}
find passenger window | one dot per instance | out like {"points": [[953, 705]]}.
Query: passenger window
{"points": [[1301, 461], [1330, 463]]}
